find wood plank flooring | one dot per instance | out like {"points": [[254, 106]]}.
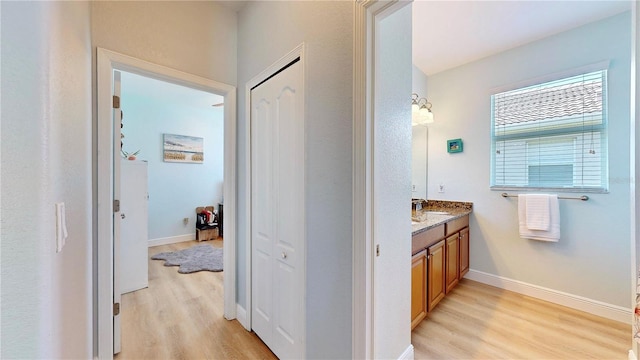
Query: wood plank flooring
{"points": [[180, 316], [478, 321]]}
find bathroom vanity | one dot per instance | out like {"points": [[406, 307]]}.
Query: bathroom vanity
{"points": [[440, 249]]}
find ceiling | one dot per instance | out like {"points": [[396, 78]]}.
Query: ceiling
{"points": [[447, 34], [466, 31], [162, 91]]}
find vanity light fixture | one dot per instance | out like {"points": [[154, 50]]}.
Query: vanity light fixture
{"points": [[420, 111]]}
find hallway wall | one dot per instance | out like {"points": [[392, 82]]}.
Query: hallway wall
{"points": [[46, 158], [197, 37]]}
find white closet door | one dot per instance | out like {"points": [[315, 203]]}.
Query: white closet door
{"points": [[277, 212]]}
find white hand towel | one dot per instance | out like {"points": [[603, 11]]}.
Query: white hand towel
{"points": [[553, 232], [537, 212]]}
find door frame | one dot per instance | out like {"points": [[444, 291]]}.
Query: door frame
{"points": [[367, 14], [297, 52], [107, 62]]}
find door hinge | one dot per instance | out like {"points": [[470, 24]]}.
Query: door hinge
{"points": [[116, 102], [116, 205], [116, 309], [378, 250]]}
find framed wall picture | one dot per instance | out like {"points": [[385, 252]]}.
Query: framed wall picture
{"points": [[182, 148], [454, 146]]}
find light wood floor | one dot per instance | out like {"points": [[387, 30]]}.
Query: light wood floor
{"points": [[478, 321], [180, 316]]}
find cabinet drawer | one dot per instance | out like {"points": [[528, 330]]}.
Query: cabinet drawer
{"points": [[454, 226], [426, 238]]}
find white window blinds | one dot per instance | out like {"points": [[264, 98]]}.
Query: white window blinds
{"points": [[551, 135]]}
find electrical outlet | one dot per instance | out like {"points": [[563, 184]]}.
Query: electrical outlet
{"points": [[441, 188], [185, 220]]}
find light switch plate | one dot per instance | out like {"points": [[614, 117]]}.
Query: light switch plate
{"points": [[61, 226]]}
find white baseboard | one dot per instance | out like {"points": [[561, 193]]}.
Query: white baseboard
{"points": [[632, 356], [407, 354], [241, 316], [172, 239], [591, 306]]}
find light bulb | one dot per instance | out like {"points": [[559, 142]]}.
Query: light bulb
{"points": [[415, 118], [428, 117]]}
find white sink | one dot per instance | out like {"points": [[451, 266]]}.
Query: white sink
{"points": [[437, 212]]}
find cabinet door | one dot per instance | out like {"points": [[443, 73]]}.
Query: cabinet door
{"points": [[435, 274], [464, 252], [452, 261], [418, 288], [278, 234], [134, 236]]}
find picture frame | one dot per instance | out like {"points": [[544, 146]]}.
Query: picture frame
{"points": [[454, 146], [183, 149]]}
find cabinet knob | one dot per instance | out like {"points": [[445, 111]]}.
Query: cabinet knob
{"points": [[284, 255], [123, 216]]}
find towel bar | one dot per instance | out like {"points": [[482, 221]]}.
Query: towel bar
{"points": [[583, 197]]}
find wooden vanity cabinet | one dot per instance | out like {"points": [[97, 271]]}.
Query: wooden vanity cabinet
{"points": [[464, 252], [418, 288], [435, 274], [453, 263], [440, 260]]}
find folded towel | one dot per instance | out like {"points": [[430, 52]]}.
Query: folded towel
{"points": [[538, 214], [553, 230]]}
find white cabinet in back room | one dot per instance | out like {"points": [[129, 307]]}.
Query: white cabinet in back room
{"points": [[134, 267]]}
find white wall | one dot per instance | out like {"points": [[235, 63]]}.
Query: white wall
{"points": [[392, 186], [175, 189], [198, 37], [419, 140], [592, 258], [46, 158], [266, 32]]}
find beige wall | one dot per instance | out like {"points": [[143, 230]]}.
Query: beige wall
{"points": [[46, 158], [195, 37]]}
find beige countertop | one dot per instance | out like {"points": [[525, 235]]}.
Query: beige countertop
{"points": [[439, 212]]}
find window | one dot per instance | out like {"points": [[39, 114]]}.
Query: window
{"points": [[552, 135]]}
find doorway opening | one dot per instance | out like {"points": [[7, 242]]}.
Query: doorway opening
{"points": [[108, 210], [172, 147]]}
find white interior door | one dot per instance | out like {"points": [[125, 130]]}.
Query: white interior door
{"points": [[117, 121], [277, 212], [134, 240]]}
